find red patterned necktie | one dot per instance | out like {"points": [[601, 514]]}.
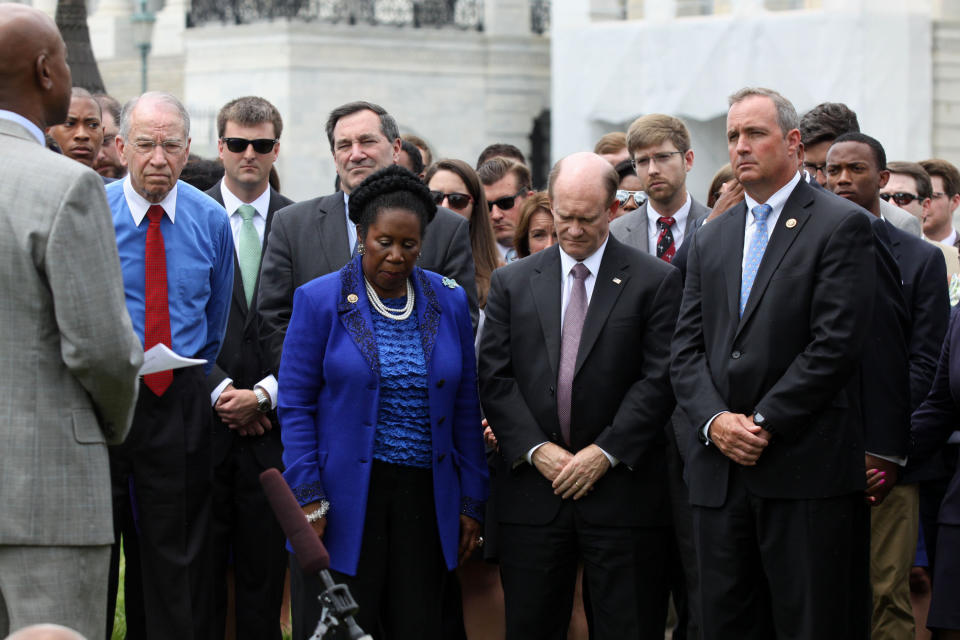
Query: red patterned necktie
{"points": [[666, 248], [156, 322]]}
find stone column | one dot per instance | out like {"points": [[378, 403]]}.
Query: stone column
{"points": [[110, 30], [169, 29]]}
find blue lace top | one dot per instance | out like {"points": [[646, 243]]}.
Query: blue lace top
{"points": [[403, 421]]}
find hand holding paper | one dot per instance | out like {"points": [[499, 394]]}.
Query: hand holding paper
{"points": [[160, 357]]}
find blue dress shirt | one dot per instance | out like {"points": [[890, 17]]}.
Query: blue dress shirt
{"points": [[199, 248]]}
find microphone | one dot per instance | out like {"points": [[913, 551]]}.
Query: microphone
{"points": [[338, 604]]}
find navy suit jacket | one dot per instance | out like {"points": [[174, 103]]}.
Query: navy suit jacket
{"points": [[329, 401], [939, 416]]}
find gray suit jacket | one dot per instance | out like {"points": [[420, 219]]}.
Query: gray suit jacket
{"points": [[901, 219], [68, 354], [309, 239], [631, 229]]}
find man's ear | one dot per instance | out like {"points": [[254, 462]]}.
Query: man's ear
{"points": [[884, 178]]}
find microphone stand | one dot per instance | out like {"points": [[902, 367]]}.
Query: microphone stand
{"points": [[339, 608]]}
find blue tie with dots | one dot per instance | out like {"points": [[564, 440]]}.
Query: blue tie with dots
{"points": [[758, 244]]}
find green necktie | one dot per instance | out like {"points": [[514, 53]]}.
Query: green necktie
{"points": [[248, 250]]}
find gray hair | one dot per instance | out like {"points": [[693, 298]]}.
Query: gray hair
{"points": [[160, 96], [388, 126], [787, 118]]}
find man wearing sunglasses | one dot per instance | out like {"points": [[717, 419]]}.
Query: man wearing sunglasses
{"points": [[506, 184], [246, 441]]}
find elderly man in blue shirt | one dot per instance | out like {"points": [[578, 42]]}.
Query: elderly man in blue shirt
{"points": [[176, 253]]}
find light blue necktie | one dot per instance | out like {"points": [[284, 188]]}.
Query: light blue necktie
{"points": [[758, 244], [248, 251]]}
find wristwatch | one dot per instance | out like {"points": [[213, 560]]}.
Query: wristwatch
{"points": [[760, 421], [263, 402]]}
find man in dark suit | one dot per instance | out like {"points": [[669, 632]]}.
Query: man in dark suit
{"points": [[856, 170], [242, 389], [574, 378], [659, 147], [776, 308], [314, 237]]}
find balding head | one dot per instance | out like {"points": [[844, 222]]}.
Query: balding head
{"points": [[46, 632], [34, 76], [583, 189]]}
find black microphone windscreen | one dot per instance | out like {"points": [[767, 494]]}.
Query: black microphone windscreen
{"points": [[307, 546]]}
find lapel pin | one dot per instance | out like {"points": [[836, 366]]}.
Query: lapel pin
{"points": [[791, 223], [352, 298], [616, 281]]}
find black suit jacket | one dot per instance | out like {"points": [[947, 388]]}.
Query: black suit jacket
{"points": [[309, 239], [793, 355], [621, 389], [240, 356], [924, 276]]}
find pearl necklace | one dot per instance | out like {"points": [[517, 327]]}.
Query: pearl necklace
{"points": [[386, 311]]}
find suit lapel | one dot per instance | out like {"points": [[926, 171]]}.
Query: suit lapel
{"points": [[641, 236], [239, 297], [428, 313], [605, 294], [780, 241], [332, 227], [546, 289], [354, 310]]}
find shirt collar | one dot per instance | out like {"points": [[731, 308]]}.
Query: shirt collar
{"points": [[679, 216], [778, 199], [139, 205], [592, 262], [34, 130], [231, 202]]}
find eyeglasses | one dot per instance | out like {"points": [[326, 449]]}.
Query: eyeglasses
{"points": [[457, 200], [902, 198], [813, 167], [260, 145], [169, 147], [660, 158], [506, 202], [638, 196]]}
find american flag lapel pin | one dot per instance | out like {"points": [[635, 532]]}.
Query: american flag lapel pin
{"points": [[616, 281]]}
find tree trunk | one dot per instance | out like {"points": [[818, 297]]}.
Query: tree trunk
{"points": [[72, 22]]}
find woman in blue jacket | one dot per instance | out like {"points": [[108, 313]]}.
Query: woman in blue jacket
{"points": [[380, 416]]}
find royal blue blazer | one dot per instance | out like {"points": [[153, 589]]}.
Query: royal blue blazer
{"points": [[329, 397]]}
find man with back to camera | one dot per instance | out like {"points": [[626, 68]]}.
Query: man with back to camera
{"points": [[176, 253], [777, 302], [70, 356], [246, 439]]}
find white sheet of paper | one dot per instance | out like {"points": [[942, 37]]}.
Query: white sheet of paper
{"points": [[160, 357]]}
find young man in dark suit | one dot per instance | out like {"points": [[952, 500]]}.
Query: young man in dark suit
{"points": [[776, 310], [243, 391], [574, 380]]}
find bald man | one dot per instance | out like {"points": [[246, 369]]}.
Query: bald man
{"points": [[46, 632], [574, 379], [68, 354]]}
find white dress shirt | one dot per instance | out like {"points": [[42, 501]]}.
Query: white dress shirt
{"points": [[13, 116], [679, 225], [262, 204], [351, 227]]}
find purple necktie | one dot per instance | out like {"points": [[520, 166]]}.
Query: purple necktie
{"points": [[569, 344]]}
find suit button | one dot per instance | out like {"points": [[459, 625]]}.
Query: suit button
{"points": [[372, 386], [364, 461], [552, 391], [440, 383], [735, 355], [441, 457], [440, 421], [554, 436]]}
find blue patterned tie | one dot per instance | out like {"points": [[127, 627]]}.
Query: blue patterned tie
{"points": [[758, 244]]}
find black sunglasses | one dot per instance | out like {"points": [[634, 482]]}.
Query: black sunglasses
{"points": [[506, 202], [457, 200], [902, 198], [260, 145]]}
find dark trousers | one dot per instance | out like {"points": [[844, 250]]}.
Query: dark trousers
{"points": [[399, 581], [773, 568], [243, 525], [683, 580], [125, 532], [623, 570], [168, 456]]}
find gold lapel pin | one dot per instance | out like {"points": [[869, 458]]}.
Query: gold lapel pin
{"points": [[791, 223], [352, 298], [616, 281]]}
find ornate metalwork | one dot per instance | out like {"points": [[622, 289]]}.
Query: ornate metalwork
{"points": [[540, 16], [460, 14]]}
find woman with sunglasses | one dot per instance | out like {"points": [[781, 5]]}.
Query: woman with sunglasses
{"points": [[455, 185], [381, 419], [630, 190]]}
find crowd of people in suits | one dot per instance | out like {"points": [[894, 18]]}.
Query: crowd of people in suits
{"points": [[505, 412]]}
